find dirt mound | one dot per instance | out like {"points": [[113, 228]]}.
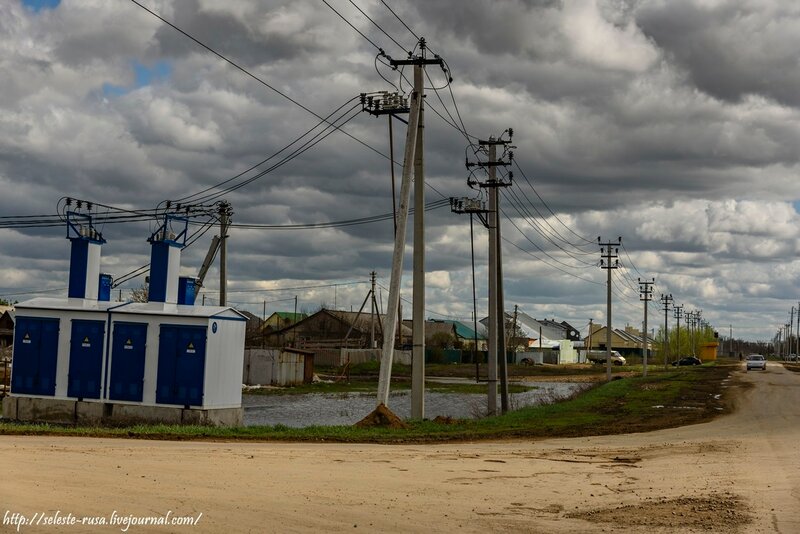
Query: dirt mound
{"points": [[722, 513], [445, 420], [381, 416]]}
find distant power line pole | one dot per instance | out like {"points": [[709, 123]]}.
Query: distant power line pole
{"points": [[473, 207], [677, 313], [609, 252], [666, 300], [645, 295], [791, 328]]}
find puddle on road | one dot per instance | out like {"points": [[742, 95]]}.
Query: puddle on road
{"points": [[348, 408]]}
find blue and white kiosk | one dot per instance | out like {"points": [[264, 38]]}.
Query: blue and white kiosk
{"points": [[87, 360]]}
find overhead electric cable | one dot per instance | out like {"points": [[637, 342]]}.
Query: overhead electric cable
{"points": [[253, 76]]}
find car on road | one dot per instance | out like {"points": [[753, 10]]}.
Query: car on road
{"points": [[688, 360], [599, 356], [756, 361]]}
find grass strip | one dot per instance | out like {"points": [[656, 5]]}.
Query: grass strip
{"points": [[679, 396]]}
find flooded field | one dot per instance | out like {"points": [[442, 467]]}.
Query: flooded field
{"points": [[348, 408]]}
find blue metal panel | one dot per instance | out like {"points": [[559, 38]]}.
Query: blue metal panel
{"points": [[181, 365], [186, 290], [104, 287], [159, 270], [127, 361], [86, 359], [78, 264], [35, 356]]}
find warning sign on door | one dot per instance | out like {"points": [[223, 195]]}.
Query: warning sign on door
{"points": [[86, 342], [128, 344], [26, 338], [190, 348]]}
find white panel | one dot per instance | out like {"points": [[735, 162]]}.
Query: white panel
{"points": [[92, 271], [173, 272], [224, 364]]}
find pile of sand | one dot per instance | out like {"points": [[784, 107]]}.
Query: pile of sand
{"points": [[381, 416]]}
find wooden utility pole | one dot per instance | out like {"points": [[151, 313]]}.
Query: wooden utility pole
{"points": [[609, 252]]}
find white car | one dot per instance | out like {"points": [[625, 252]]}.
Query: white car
{"points": [[756, 361]]}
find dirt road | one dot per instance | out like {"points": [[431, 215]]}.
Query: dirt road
{"points": [[738, 473]]}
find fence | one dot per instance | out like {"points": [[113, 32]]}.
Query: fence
{"points": [[275, 367]]}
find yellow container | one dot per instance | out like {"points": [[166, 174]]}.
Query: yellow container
{"points": [[708, 351]]}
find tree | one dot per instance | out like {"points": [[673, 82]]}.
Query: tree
{"points": [[140, 294]]}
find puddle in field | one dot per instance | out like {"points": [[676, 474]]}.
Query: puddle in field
{"points": [[349, 408]]}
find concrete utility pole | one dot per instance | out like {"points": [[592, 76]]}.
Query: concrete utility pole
{"points": [[788, 342], [609, 252], [666, 300], [414, 158], [496, 309], [677, 314], [473, 207], [372, 311], [392, 306], [418, 298], [589, 341], [791, 328], [514, 329], [225, 212], [645, 295], [494, 313]]}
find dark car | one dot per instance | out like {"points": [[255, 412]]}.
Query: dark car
{"points": [[689, 360]]}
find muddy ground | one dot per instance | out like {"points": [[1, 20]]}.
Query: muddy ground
{"points": [[737, 473]]}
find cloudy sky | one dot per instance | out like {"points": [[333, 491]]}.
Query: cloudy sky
{"points": [[672, 123]]}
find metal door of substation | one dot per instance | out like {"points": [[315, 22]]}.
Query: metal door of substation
{"points": [[86, 359], [35, 356], [127, 361], [181, 365]]}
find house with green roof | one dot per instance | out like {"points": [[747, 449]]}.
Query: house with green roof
{"points": [[280, 320]]}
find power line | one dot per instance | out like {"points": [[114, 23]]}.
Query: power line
{"points": [[253, 76], [307, 132], [354, 28], [401, 20], [547, 206], [268, 290], [404, 49]]}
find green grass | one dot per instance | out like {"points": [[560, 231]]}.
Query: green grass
{"points": [[618, 406]]}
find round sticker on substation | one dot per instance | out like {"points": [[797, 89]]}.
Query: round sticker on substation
{"points": [[214, 327]]}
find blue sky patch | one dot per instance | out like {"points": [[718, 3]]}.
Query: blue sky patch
{"points": [[796, 206], [143, 76], [38, 5]]}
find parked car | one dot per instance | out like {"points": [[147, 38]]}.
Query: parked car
{"points": [[756, 361], [599, 356], [688, 360]]}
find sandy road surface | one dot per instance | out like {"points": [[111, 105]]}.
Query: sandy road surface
{"points": [[697, 478]]}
